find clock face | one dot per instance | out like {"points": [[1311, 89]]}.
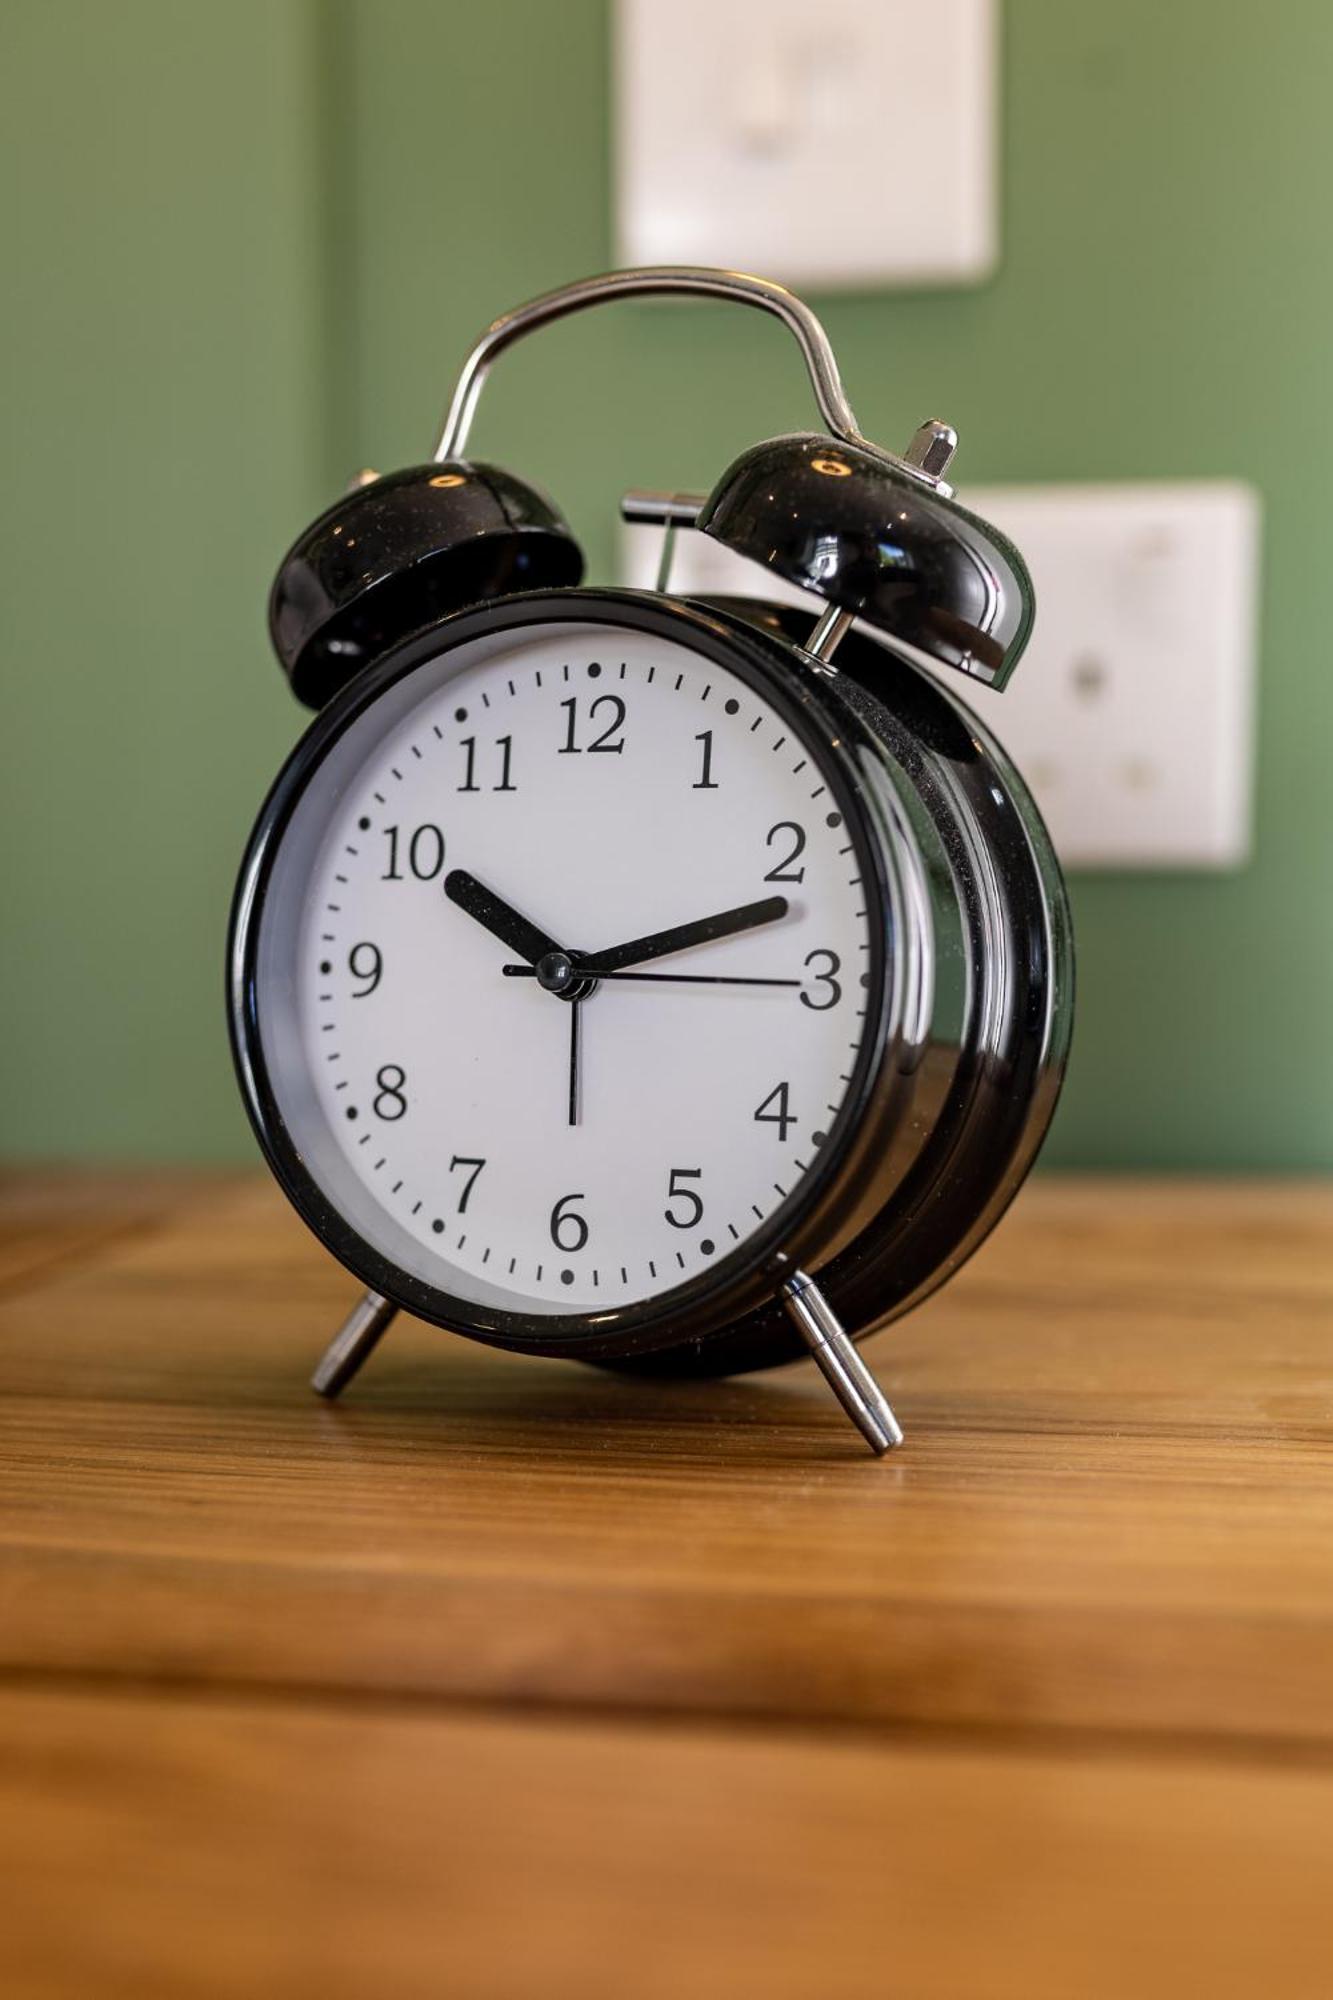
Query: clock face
{"points": [[493, 1120]]}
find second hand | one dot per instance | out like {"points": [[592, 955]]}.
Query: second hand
{"points": [[575, 1036], [657, 978]]}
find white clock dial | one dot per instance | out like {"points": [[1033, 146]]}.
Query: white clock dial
{"points": [[493, 1137]]}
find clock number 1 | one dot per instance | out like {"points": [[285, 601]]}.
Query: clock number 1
{"points": [[706, 782]]}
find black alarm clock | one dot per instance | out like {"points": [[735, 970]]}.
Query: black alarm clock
{"points": [[681, 985]]}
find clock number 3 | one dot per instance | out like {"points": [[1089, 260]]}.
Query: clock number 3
{"points": [[832, 964]]}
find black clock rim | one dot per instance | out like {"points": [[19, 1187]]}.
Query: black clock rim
{"points": [[750, 1274]]}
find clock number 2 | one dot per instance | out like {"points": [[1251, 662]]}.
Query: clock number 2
{"points": [[792, 837]]}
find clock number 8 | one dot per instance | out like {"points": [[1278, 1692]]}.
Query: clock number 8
{"points": [[390, 1102]]}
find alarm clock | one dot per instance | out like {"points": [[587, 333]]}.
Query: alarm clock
{"points": [[676, 984]]}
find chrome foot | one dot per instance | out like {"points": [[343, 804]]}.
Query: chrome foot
{"points": [[353, 1343], [842, 1367]]}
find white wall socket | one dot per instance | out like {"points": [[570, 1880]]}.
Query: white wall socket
{"points": [[848, 144], [1131, 714]]}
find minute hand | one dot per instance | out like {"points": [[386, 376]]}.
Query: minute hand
{"points": [[660, 944]]}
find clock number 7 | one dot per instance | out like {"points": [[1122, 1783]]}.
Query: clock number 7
{"points": [[462, 1160], [780, 1096]]}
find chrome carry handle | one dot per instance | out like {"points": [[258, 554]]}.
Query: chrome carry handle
{"points": [[926, 457]]}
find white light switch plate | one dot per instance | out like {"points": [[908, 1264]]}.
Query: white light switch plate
{"points": [[1131, 714], [852, 143]]}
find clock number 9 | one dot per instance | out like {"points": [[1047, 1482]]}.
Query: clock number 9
{"points": [[569, 1231], [364, 961]]}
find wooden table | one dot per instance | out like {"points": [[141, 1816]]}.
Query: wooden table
{"points": [[509, 1678]]}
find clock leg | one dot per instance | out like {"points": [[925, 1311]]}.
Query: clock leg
{"points": [[353, 1343], [842, 1367]]}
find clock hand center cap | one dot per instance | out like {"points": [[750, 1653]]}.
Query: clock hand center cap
{"points": [[555, 970], [557, 973]]}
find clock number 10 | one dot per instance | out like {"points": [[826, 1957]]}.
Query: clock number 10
{"points": [[424, 851]]}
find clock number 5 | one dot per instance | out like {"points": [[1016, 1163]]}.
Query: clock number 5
{"points": [[694, 1208]]}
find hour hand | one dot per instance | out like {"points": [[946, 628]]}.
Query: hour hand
{"points": [[501, 919]]}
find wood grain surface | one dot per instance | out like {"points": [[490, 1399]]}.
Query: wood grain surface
{"points": [[505, 1676]]}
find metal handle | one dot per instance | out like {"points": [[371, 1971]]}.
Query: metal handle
{"points": [[674, 280]]}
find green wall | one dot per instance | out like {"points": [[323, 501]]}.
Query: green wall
{"points": [[247, 247]]}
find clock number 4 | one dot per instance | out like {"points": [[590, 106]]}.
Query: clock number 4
{"points": [[774, 1110], [610, 738]]}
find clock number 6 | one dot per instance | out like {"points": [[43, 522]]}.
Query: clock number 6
{"points": [[569, 1231], [675, 1192]]}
